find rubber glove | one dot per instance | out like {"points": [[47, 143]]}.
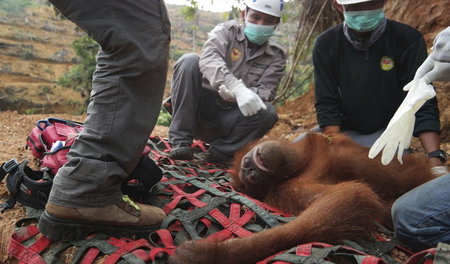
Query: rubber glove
{"points": [[249, 102], [437, 66], [226, 94], [432, 70], [398, 133]]}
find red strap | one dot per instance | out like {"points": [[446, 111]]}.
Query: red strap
{"points": [[125, 247], [29, 254], [167, 241], [372, 260], [233, 224], [200, 144], [90, 256], [180, 194], [414, 259]]}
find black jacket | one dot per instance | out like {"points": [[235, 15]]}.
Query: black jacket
{"points": [[361, 90]]}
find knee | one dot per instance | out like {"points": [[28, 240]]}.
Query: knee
{"points": [[270, 114], [400, 211], [189, 61], [268, 117]]}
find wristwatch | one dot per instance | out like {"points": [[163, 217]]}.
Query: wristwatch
{"points": [[440, 154]]}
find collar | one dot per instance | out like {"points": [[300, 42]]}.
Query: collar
{"points": [[363, 44]]}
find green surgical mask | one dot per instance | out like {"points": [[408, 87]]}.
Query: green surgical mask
{"points": [[258, 34], [364, 21]]}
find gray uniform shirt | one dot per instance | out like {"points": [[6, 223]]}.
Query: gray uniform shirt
{"points": [[226, 57]]}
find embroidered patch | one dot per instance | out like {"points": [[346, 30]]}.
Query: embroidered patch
{"points": [[235, 54], [387, 63]]}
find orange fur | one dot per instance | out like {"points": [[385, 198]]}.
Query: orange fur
{"points": [[330, 183]]}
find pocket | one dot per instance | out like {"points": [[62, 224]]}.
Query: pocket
{"points": [[254, 75]]}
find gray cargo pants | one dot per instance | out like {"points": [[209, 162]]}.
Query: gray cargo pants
{"points": [[128, 85], [199, 113]]}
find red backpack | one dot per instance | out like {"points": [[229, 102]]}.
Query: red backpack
{"points": [[51, 139]]}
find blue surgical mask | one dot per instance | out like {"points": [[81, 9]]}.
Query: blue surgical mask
{"points": [[258, 34], [364, 21]]}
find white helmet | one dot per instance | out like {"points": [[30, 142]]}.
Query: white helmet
{"points": [[350, 2], [270, 7]]}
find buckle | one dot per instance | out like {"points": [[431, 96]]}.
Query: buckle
{"points": [[10, 165]]}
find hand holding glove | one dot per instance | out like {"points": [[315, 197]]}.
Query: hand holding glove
{"points": [[432, 70], [437, 66], [249, 102], [398, 133], [226, 94]]}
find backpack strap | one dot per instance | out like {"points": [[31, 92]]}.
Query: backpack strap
{"points": [[7, 168], [25, 185]]}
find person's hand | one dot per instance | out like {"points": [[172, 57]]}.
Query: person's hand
{"points": [[226, 94], [432, 70], [398, 133], [437, 66], [438, 171], [249, 102]]}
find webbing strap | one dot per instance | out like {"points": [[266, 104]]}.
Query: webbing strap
{"points": [[168, 244], [116, 250], [27, 254], [124, 249], [179, 194], [233, 224], [318, 253], [265, 216], [190, 218], [423, 257]]}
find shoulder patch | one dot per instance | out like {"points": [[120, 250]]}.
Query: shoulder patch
{"points": [[236, 54]]}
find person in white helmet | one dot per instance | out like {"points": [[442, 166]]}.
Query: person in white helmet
{"points": [[361, 67], [421, 216], [223, 96]]}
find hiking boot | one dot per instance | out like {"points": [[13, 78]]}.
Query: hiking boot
{"points": [[123, 219], [182, 151]]}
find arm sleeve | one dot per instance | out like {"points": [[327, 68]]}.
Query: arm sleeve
{"points": [[270, 79], [427, 118], [328, 99], [212, 59]]}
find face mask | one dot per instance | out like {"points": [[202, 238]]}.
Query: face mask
{"points": [[258, 34], [364, 21]]}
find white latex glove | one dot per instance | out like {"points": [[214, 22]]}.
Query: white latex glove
{"points": [[226, 94], [437, 66], [398, 133], [432, 70], [249, 102]]}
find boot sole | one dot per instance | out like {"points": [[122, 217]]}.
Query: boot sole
{"points": [[67, 230]]}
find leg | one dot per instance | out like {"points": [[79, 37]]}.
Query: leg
{"points": [[126, 97], [422, 216], [186, 95], [238, 130], [186, 98], [316, 129], [365, 140]]}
